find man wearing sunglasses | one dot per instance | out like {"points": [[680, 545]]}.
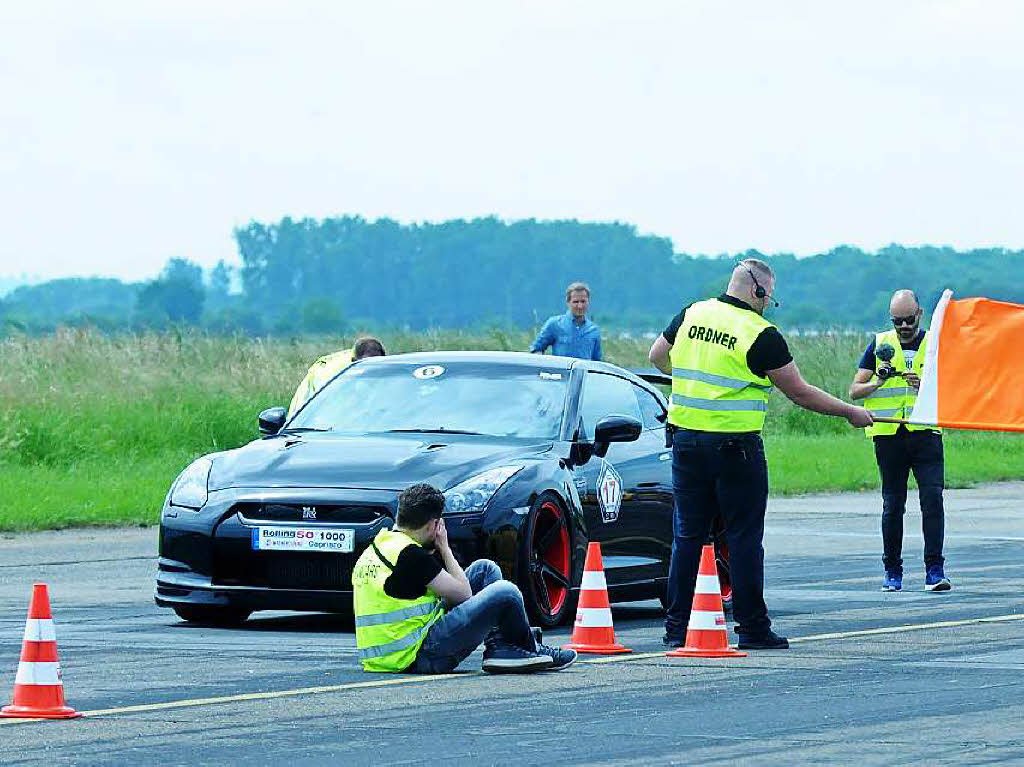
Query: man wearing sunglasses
{"points": [[888, 379]]}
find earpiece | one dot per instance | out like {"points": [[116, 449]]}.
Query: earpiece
{"points": [[759, 291]]}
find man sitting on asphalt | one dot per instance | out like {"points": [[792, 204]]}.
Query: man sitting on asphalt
{"points": [[328, 366], [417, 615]]}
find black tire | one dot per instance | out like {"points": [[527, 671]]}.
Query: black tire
{"points": [[545, 563], [213, 616]]}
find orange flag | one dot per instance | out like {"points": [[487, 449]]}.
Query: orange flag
{"points": [[973, 374]]}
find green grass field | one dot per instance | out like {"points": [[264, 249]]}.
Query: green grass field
{"points": [[93, 429]]}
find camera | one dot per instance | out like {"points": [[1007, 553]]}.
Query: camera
{"points": [[885, 370]]}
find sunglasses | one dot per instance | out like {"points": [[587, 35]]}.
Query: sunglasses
{"points": [[897, 321]]}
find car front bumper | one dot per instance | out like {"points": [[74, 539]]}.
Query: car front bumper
{"points": [[206, 556]]}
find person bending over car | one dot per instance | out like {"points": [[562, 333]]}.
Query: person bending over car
{"points": [[328, 366], [420, 614]]}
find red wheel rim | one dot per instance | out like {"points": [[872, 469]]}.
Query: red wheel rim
{"points": [[549, 558]]}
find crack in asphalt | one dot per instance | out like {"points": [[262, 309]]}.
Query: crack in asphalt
{"points": [[78, 562]]}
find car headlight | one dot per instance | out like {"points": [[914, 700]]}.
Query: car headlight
{"points": [[476, 492], [190, 488]]}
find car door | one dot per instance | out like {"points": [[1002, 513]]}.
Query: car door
{"points": [[624, 493], [654, 482]]}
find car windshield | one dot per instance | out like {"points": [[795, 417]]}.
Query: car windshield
{"points": [[473, 398]]}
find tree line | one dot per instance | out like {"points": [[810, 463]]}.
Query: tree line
{"points": [[347, 273]]}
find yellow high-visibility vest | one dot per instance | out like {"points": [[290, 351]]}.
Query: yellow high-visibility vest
{"points": [[389, 631], [712, 387], [319, 373], [895, 398]]}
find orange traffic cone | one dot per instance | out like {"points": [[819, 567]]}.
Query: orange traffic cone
{"points": [[593, 631], [38, 690], [707, 635]]}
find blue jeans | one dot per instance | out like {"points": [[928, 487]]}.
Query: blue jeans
{"points": [[714, 473], [495, 614], [898, 455]]}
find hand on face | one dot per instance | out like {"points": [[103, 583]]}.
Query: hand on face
{"points": [[440, 536]]}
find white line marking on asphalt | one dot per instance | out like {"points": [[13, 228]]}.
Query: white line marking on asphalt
{"points": [[252, 696], [909, 627], [781, 531], [439, 677], [842, 635]]}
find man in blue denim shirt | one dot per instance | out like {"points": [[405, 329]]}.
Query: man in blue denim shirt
{"points": [[571, 334]]}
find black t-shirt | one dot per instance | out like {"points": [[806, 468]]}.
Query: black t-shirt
{"points": [[768, 352], [415, 568], [867, 362]]}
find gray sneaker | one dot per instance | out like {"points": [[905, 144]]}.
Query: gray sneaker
{"points": [[509, 659], [559, 658]]}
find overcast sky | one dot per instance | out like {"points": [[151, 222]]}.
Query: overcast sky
{"points": [[132, 132]]}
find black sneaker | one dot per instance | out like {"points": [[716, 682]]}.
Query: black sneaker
{"points": [[671, 641], [559, 658], [769, 641], [509, 659]]}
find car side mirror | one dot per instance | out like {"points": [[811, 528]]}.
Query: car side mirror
{"points": [[615, 428], [271, 420]]}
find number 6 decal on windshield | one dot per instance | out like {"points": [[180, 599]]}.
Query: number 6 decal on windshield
{"points": [[609, 492], [428, 371]]}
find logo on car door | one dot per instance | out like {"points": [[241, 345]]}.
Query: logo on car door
{"points": [[609, 492]]}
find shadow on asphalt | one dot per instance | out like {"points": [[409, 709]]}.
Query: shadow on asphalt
{"points": [[328, 623], [637, 612], [299, 623]]}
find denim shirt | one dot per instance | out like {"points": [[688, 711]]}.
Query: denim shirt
{"points": [[568, 338]]}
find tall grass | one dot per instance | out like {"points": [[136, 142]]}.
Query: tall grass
{"points": [[93, 428]]}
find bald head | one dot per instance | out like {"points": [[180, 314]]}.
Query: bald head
{"points": [[746, 277], [903, 307], [903, 303]]}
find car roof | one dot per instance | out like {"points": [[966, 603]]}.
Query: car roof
{"points": [[524, 359]]}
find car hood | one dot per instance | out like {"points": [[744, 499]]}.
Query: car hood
{"points": [[380, 462]]}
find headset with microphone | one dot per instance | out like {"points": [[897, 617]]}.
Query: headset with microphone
{"points": [[759, 291]]}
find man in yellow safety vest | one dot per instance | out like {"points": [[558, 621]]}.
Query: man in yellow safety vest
{"points": [[328, 366], [421, 613], [724, 357], [887, 379]]}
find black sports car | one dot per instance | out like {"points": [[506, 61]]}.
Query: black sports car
{"points": [[537, 455]]}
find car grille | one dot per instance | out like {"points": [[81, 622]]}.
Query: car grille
{"points": [[284, 570], [235, 563], [309, 572], [310, 513]]}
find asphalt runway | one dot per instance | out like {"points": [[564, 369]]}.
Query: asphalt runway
{"points": [[871, 678]]}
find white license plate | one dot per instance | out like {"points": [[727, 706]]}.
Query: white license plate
{"points": [[326, 539]]}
